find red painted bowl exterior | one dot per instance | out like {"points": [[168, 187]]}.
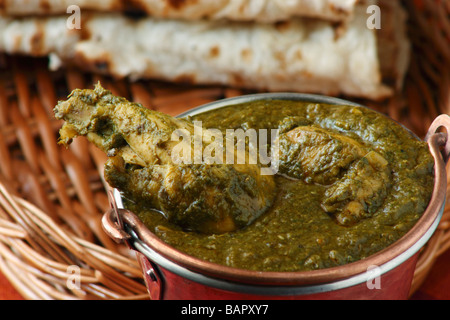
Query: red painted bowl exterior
{"points": [[393, 285]]}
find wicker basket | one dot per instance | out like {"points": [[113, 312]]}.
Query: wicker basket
{"points": [[52, 245]]}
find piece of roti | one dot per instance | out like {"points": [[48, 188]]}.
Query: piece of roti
{"points": [[244, 10], [300, 55]]}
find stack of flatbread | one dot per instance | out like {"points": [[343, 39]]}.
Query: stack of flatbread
{"points": [[318, 46]]}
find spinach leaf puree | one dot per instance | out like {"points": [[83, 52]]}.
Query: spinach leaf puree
{"points": [[350, 183]]}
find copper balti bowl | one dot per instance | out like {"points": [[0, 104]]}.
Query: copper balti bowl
{"points": [[171, 274]]}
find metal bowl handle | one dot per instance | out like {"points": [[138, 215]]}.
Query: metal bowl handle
{"points": [[437, 135], [112, 228], [113, 225], [112, 222]]}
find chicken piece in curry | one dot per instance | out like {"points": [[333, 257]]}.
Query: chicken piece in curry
{"points": [[359, 178], [208, 198]]}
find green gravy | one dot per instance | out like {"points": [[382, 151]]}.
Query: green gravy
{"points": [[296, 233]]}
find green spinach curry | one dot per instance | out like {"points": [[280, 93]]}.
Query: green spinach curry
{"points": [[350, 183]]}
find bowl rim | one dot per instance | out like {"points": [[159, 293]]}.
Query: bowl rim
{"points": [[390, 257]]}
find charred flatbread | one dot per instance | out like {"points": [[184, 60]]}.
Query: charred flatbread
{"points": [[302, 55]]}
